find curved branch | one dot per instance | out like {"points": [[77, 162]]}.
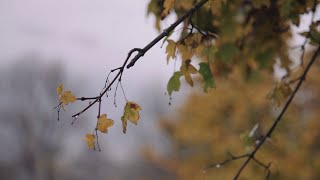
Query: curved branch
{"points": [[141, 52]]}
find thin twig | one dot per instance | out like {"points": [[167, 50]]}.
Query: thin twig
{"points": [[232, 158]]}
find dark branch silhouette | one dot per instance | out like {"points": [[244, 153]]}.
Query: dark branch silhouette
{"points": [[118, 76]]}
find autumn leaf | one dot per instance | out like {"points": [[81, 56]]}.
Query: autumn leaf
{"points": [[131, 113], [104, 123], [124, 124], [60, 89], [67, 97], [208, 81], [185, 52], [171, 49], [168, 4], [187, 69], [174, 83], [90, 138]]}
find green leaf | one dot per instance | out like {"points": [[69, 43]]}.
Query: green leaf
{"points": [[227, 51], [207, 76], [174, 83]]}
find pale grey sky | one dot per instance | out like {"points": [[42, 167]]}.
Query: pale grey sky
{"points": [[89, 38]]}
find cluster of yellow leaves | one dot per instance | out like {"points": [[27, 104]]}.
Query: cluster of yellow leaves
{"points": [[193, 44], [65, 97], [103, 124], [131, 113]]}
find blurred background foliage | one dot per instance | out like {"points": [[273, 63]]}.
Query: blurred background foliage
{"points": [[250, 53]]}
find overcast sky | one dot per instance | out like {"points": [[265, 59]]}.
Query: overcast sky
{"points": [[89, 38]]}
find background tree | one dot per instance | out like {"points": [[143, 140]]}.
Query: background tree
{"points": [[248, 40]]}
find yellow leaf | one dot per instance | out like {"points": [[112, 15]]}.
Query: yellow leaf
{"points": [[104, 123], [187, 69], [124, 124], [131, 113], [60, 89], [67, 97], [185, 52], [168, 4], [90, 138], [171, 49]]}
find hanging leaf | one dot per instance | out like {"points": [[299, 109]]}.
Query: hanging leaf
{"points": [[208, 81], [171, 50], [131, 113], [174, 83], [60, 89], [124, 124], [168, 4], [185, 51], [67, 97], [104, 123], [90, 138], [187, 69]]}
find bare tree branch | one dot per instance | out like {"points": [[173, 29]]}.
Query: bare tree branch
{"points": [[141, 52]]}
